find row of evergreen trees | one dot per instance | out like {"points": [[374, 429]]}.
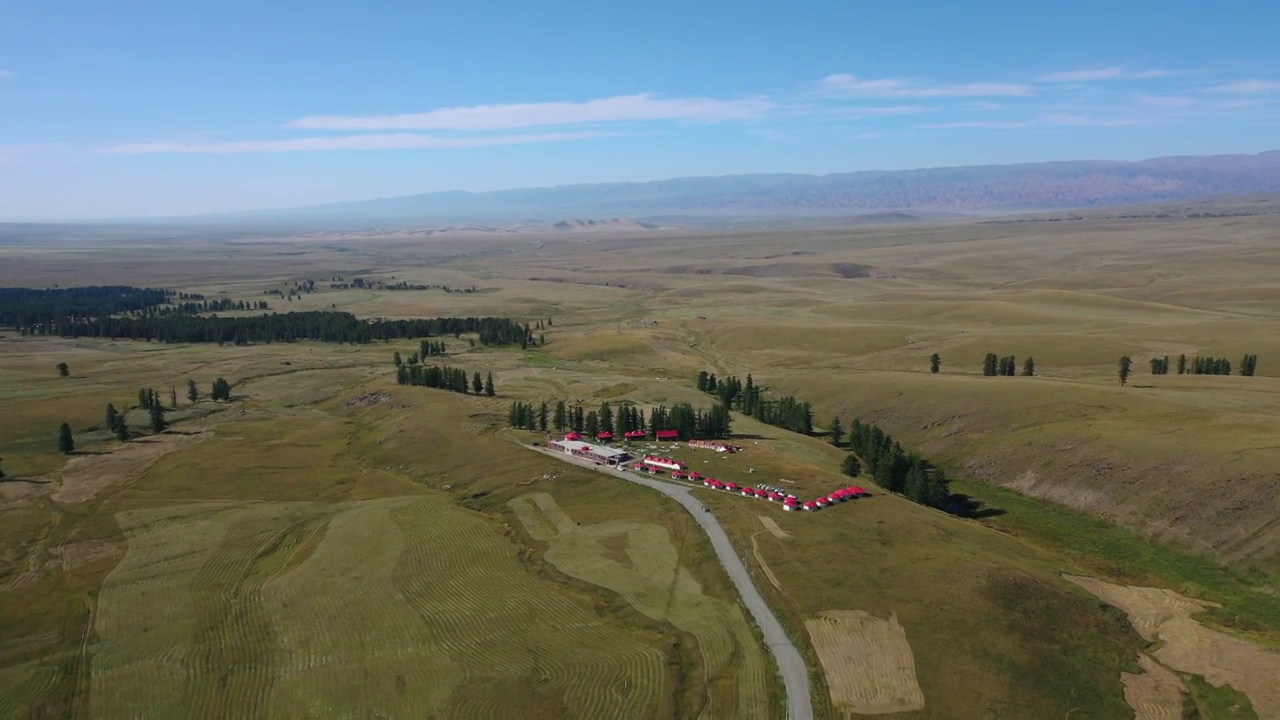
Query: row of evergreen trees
{"points": [[688, 422], [1006, 366], [445, 378], [29, 308], [895, 469], [1204, 365], [321, 326], [431, 348], [204, 306], [749, 399]]}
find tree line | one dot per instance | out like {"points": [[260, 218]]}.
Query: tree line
{"points": [[893, 468], [320, 326], [1203, 365], [29, 308], [153, 402], [749, 399], [1005, 366], [686, 420], [445, 378]]}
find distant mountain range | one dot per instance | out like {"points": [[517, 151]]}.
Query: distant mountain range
{"points": [[978, 190]]}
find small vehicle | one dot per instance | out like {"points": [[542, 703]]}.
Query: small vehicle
{"points": [[706, 509]]}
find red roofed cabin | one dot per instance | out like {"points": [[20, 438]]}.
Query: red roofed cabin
{"points": [[667, 435], [572, 436], [604, 436], [661, 462], [635, 435]]}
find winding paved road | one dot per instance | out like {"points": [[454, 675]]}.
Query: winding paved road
{"points": [[795, 676]]}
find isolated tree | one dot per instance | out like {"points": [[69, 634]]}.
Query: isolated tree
{"points": [[850, 465], [192, 393], [1, 470], [63, 370], [935, 363], [158, 423], [488, 385], [1123, 373], [542, 417], [1182, 364], [122, 430], [112, 417], [1029, 367], [397, 359], [477, 385], [702, 381], [1248, 365], [989, 365], [836, 434], [66, 444], [173, 397]]}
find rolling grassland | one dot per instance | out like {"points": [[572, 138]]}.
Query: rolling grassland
{"points": [[330, 542]]}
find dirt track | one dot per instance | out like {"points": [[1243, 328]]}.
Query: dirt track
{"points": [[795, 676]]}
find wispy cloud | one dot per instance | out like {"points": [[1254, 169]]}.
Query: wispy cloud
{"points": [[1249, 87], [391, 141], [1106, 73], [1048, 120], [623, 108], [866, 111], [6, 74], [850, 85]]}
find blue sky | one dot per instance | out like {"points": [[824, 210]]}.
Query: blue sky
{"points": [[148, 107]]}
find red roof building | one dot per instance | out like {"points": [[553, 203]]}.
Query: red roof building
{"points": [[572, 436], [810, 506], [668, 435], [606, 436], [635, 435], [731, 486], [775, 497]]}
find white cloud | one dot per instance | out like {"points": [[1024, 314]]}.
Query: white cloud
{"points": [[5, 74], [844, 84], [883, 110], [1249, 87], [622, 108], [1048, 120], [1107, 73], [976, 124], [395, 141]]}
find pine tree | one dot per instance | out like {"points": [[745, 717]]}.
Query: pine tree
{"points": [[1029, 367], [63, 370], [158, 423], [702, 381], [144, 401], [559, 420], [850, 465], [989, 365], [173, 397], [112, 417], [591, 425], [477, 385], [606, 418], [1182, 364], [192, 393], [66, 444], [935, 363], [542, 417], [397, 359], [836, 433], [122, 430], [488, 385], [1125, 364]]}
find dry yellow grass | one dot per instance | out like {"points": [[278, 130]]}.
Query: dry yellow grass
{"points": [[1165, 617], [866, 662]]}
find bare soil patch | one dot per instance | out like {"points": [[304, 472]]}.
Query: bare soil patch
{"points": [[1156, 693], [1187, 646], [87, 475], [74, 555], [867, 662], [772, 526], [20, 491]]}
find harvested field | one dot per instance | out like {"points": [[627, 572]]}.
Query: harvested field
{"points": [[1156, 693], [1165, 617], [654, 583], [222, 610], [866, 661], [87, 475]]}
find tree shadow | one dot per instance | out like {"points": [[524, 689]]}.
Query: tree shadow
{"points": [[964, 506], [78, 453], [29, 481]]}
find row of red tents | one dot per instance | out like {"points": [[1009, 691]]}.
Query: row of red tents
{"points": [[631, 435], [789, 502]]}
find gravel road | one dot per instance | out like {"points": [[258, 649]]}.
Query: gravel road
{"points": [[795, 676]]}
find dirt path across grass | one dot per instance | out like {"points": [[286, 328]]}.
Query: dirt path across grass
{"points": [[1187, 646]]}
